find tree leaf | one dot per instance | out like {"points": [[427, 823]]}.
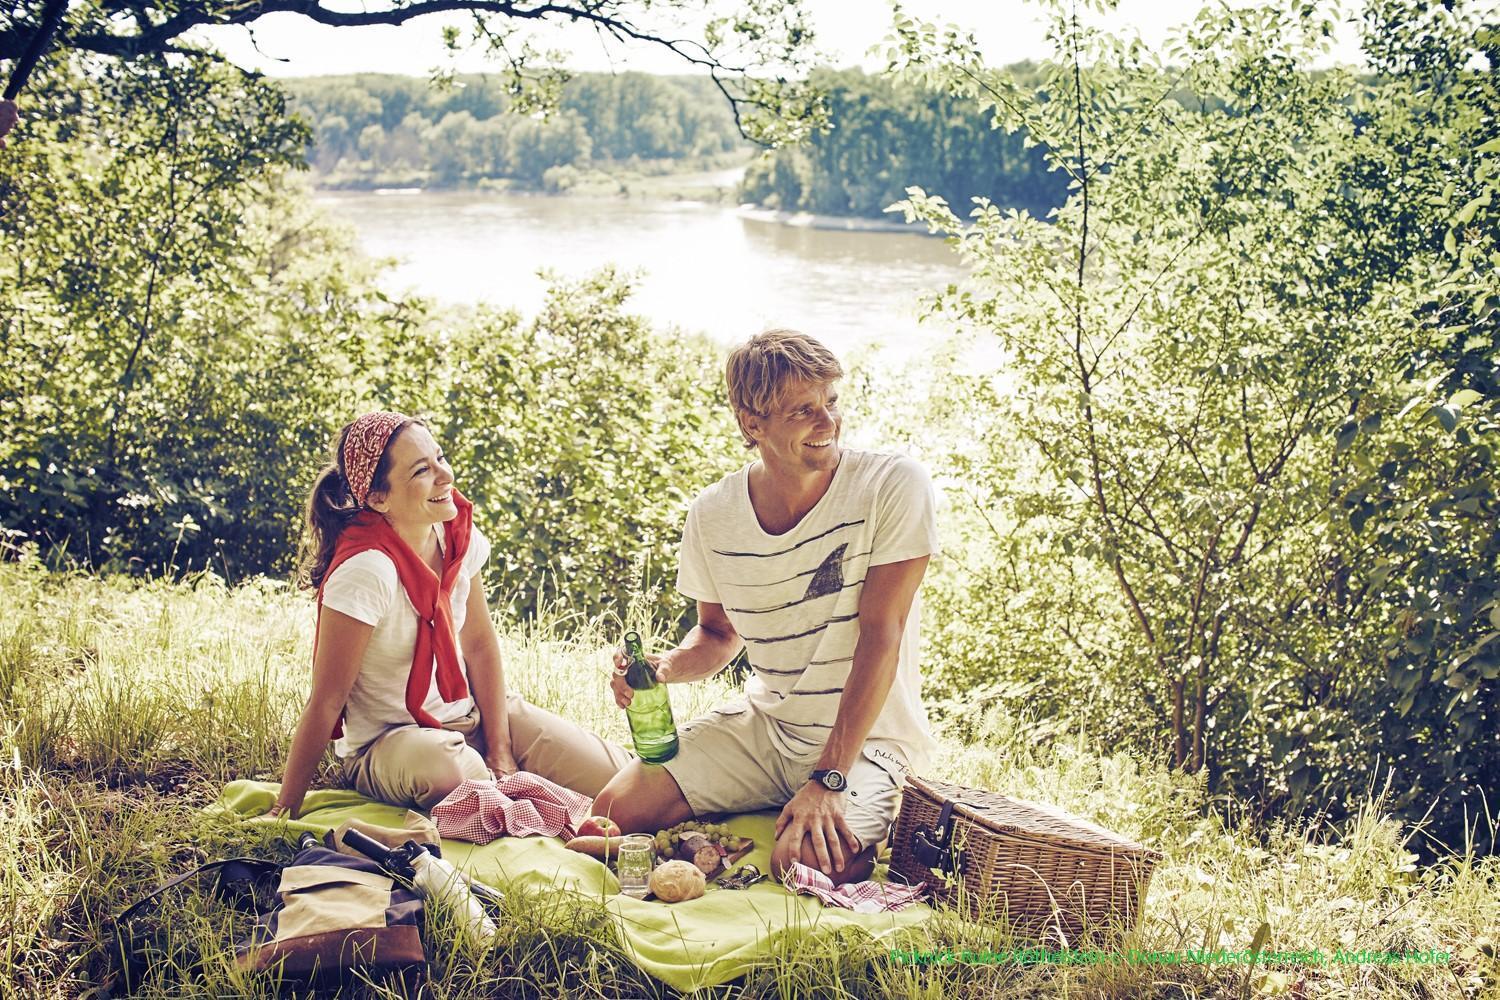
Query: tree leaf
{"points": [[1257, 945], [1346, 435], [1411, 404], [1262, 934], [1466, 214]]}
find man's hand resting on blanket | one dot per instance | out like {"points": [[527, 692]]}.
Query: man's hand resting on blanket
{"points": [[818, 815]]}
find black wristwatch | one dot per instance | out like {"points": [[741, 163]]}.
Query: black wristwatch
{"points": [[832, 779]]}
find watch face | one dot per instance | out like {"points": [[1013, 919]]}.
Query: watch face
{"points": [[833, 780]]}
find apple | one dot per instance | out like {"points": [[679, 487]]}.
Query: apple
{"points": [[599, 826]]}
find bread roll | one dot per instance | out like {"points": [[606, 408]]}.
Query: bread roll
{"points": [[675, 881]]}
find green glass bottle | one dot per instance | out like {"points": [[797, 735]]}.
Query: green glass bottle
{"points": [[650, 713]]}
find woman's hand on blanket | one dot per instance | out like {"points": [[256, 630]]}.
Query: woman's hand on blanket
{"points": [[817, 815], [501, 763], [624, 692]]}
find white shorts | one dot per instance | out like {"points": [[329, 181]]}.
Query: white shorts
{"points": [[726, 763]]}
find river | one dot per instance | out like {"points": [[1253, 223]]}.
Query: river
{"points": [[703, 267]]}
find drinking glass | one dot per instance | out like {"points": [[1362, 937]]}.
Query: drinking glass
{"points": [[633, 864]]}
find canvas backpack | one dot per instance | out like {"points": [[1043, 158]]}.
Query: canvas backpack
{"points": [[318, 920]]}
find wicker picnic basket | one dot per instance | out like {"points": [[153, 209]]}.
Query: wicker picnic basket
{"points": [[1055, 877]]}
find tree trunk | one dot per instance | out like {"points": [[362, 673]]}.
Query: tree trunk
{"points": [[1179, 732]]}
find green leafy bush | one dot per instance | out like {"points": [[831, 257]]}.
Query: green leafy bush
{"points": [[185, 335], [581, 436], [1183, 551], [1420, 487], [180, 334]]}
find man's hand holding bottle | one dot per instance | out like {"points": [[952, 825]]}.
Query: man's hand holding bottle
{"points": [[638, 683], [623, 692]]}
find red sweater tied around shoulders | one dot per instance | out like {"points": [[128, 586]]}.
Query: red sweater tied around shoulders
{"points": [[430, 593]]}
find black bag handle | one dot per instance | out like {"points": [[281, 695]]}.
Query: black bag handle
{"points": [[235, 885], [255, 870]]}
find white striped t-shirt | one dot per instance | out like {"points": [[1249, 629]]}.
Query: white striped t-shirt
{"points": [[794, 597]]}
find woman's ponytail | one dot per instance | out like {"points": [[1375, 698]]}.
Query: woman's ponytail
{"points": [[330, 507]]}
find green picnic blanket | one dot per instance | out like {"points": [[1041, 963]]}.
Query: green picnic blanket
{"points": [[698, 943]]}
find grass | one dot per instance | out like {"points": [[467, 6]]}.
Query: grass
{"points": [[126, 705]]}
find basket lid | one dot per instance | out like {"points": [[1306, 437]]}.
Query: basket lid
{"points": [[1030, 820]]}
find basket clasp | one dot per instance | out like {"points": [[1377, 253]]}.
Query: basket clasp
{"points": [[933, 847]]}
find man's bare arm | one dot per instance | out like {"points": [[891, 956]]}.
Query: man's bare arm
{"points": [[884, 604], [704, 651], [815, 815]]}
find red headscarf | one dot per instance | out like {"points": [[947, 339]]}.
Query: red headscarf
{"points": [[364, 445]]}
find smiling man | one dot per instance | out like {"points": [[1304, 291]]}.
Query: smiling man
{"points": [[809, 558]]}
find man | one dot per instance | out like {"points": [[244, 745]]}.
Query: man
{"points": [[810, 559]]}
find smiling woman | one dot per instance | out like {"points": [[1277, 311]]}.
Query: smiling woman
{"points": [[406, 673]]}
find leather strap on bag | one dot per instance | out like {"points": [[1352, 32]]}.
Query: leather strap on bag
{"points": [[239, 880]]}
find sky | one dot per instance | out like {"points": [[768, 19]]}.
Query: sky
{"points": [[1008, 31]]}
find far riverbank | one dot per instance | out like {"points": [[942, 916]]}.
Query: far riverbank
{"points": [[715, 187]]}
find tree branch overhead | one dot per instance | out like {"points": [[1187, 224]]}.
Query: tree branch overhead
{"points": [[756, 56]]}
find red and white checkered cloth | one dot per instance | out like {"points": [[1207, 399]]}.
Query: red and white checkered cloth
{"points": [[520, 804], [861, 897]]}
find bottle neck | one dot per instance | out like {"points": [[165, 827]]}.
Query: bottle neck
{"points": [[639, 675]]}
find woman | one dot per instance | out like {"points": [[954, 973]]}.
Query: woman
{"points": [[406, 669]]}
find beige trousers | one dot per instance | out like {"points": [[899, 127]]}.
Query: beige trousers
{"points": [[417, 767]]}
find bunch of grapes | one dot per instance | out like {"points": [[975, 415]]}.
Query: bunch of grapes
{"points": [[667, 840]]}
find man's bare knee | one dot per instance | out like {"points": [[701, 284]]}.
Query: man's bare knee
{"points": [[642, 799], [857, 867]]}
